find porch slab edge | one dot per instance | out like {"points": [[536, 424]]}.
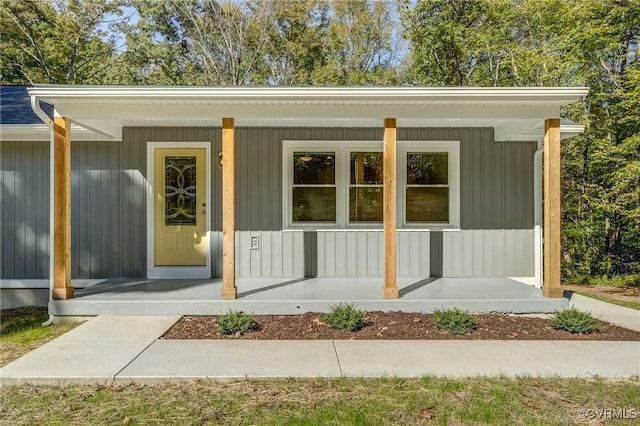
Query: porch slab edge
{"points": [[292, 307]]}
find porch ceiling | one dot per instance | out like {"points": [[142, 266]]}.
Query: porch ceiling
{"points": [[514, 113]]}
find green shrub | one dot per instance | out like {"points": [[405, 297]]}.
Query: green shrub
{"points": [[235, 322], [345, 316], [454, 320], [628, 281], [575, 321]]}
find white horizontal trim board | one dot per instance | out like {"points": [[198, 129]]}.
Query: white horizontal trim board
{"points": [[44, 283], [42, 133], [261, 95]]}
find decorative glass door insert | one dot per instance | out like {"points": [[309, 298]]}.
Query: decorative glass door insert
{"points": [[180, 190], [180, 207]]}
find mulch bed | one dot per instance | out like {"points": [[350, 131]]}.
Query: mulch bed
{"points": [[392, 326]]}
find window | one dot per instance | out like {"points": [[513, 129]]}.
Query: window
{"points": [[365, 186], [430, 185], [427, 187], [314, 187], [340, 184]]}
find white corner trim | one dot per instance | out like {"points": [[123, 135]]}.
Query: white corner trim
{"points": [[537, 215], [524, 280], [52, 175]]}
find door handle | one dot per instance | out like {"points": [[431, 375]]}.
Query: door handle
{"points": [[204, 210]]}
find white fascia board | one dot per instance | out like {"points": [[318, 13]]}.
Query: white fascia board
{"points": [[130, 111], [345, 95], [570, 130], [42, 132]]}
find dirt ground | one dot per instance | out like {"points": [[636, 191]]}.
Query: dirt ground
{"points": [[393, 326], [622, 294]]}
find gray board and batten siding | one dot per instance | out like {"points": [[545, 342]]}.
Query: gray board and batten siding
{"points": [[24, 210], [109, 209]]}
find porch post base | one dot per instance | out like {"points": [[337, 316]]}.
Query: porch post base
{"points": [[62, 293], [229, 293], [552, 292], [390, 292]]}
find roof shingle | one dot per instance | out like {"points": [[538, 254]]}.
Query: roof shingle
{"points": [[15, 106]]}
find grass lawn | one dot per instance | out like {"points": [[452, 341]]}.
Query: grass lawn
{"points": [[21, 331], [326, 402], [619, 290], [341, 401], [626, 303]]}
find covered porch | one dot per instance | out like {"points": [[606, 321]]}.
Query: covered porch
{"points": [[127, 296], [509, 115]]}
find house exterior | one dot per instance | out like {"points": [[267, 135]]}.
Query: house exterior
{"points": [[228, 182]]}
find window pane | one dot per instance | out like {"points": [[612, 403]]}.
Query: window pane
{"points": [[427, 168], [180, 190], [312, 168], [314, 204], [366, 168], [427, 204], [365, 204]]}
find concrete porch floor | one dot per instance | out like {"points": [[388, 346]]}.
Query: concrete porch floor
{"points": [[141, 296]]}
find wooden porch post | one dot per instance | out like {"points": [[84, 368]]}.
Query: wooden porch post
{"points": [[229, 290], [390, 289], [551, 286], [62, 288]]}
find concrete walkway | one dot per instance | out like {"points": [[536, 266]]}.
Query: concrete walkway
{"points": [[122, 349], [624, 317]]}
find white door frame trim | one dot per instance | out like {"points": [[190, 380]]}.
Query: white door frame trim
{"points": [[188, 272]]}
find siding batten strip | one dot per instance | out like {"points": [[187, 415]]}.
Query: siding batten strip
{"points": [[390, 289], [229, 290], [551, 261], [62, 288]]}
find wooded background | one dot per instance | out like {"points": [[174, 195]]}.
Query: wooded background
{"points": [[404, 42]]}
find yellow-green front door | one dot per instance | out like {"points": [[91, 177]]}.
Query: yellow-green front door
{"points": [[180, 207]]}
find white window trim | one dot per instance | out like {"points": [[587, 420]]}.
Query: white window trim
{"points": [[342, 151], [452, 148], [289, 147]]}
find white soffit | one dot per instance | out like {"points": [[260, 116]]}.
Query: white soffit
{"points": [[568, 129], [513, 112]]}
